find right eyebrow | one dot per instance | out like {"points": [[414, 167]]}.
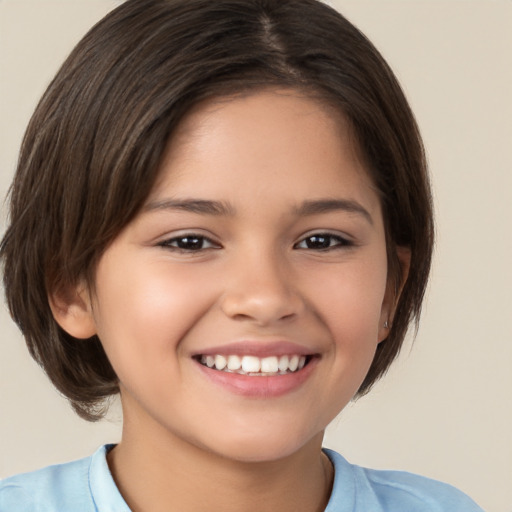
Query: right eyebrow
{"points": [[200, 206]]}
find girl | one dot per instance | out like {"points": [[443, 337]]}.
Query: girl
{"points": [[221, 212]]}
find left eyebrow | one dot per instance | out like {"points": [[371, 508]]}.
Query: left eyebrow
{"points": [[330, 205], [200, 206]]}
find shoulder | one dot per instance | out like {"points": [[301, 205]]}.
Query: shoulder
{"points": [[386, 491], [418, 492], [52, 489]]}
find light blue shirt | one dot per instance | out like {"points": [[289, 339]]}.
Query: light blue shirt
{"points": [[86, 485]]}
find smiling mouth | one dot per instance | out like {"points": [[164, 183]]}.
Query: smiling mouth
{"points": [[255, 366]]}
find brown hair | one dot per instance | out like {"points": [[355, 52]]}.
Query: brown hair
{"points": [[91, 152]]}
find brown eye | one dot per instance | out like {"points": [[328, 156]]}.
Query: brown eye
{"points": [[322, 241], [189, 243]]}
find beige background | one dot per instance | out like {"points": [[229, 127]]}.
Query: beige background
{"points": [[445, 409]]}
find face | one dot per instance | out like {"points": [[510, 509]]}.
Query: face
{"points": [[242, 307]]}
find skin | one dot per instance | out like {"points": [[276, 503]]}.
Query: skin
{"points": [[187, 442]]}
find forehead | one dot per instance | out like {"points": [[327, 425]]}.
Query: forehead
{"points": [[267, 143]]}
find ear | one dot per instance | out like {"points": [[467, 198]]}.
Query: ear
{"points": [[72, 309], [393, 292]]}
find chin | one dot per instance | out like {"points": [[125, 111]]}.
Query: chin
{"points": [[264, 447]]}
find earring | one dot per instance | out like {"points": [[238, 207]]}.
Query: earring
{"points": [[386, 325]]}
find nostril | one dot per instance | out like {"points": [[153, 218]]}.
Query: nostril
{"points": [[263, 306]]}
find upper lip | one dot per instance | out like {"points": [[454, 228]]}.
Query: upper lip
{"points": [[258, 349]]}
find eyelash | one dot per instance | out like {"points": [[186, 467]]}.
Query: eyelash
{"points": [[325, 241], [196, 243]]}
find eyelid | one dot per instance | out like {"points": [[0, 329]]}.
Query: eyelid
{"points": [[344, 240], [167, 241]]}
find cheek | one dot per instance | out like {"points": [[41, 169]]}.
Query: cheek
{"points": [[352, 308], [351, 304], [143, 310]]}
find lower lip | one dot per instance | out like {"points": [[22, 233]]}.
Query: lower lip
{"points": [[260, 387]]}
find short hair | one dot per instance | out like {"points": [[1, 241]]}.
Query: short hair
{"points": [[92, 151]]}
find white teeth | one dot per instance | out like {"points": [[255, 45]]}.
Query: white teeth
{"points": [[234, 363], [283, 363], [269, 365], [294, 363], [220, 362], [252, 365]]}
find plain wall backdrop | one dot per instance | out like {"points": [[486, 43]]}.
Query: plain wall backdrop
{"points": [[444, 409]]}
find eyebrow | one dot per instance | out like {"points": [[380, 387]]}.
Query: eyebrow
{"points": [[220, 208], [320, 206], [201, 206]]}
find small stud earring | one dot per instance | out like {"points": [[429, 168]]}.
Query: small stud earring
{"points": [[386, 324]]}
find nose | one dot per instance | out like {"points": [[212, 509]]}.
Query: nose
{"points": [[261, 289]]}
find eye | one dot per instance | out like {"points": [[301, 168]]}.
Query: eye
{"points": [[189, 243], [323, 242]]}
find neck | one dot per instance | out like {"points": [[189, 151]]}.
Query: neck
{"points": [[157, 473]]}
